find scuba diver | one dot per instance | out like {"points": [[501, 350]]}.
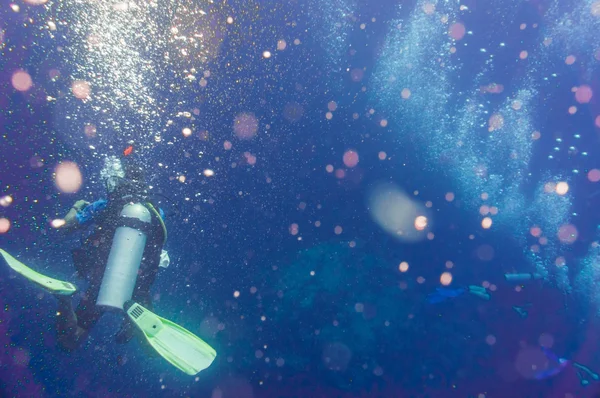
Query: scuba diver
{"points": [[556, 365], [442, 294], [127, 204], [120, 259]]}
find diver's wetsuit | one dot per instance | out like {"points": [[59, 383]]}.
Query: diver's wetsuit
{"points": [[90, 262]]}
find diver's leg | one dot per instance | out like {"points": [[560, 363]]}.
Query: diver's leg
{"points": [[70, 334], [74, 326], [145, 280], [141, 295], [66, 323], [87, 312]]}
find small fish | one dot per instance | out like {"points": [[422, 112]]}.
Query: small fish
{"points": [[128, 150]]}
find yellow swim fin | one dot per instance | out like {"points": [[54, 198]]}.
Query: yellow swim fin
{"points": [[54, 286], [179, 346]]}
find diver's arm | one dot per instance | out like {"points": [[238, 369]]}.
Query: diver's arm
{"points": [[71, 221]]}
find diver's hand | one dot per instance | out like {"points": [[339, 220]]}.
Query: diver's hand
{"points": [[70, 220], [80, 204]]}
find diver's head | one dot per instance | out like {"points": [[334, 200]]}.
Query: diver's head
{"points": [[135, 172], [112, 173], [135, 180], [127, 182]]}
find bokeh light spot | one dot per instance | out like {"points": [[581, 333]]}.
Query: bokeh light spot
{"points": [[457, 31], [4, 225], [245, 126], [336, 356], [562, 188], [21, 80], [495, 122], [67, 177], [89, 130], [535, 231], [250, 158], [356, 74], [485, 252], [293, 111], [57, 223], [486, 223], [403, 267], [594, 175], [420, 223], [583, 95], [6, 201], [567, 233], [516, 105], [446, 278], [81, 89], [428, 8], [350, 158]]}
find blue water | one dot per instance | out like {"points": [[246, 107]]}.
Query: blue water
{"points": [[303, 152]]}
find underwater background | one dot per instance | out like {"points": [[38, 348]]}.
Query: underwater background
{"points": [[337, 177]]}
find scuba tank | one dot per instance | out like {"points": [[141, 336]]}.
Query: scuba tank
{"points": [[125, 256]]}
